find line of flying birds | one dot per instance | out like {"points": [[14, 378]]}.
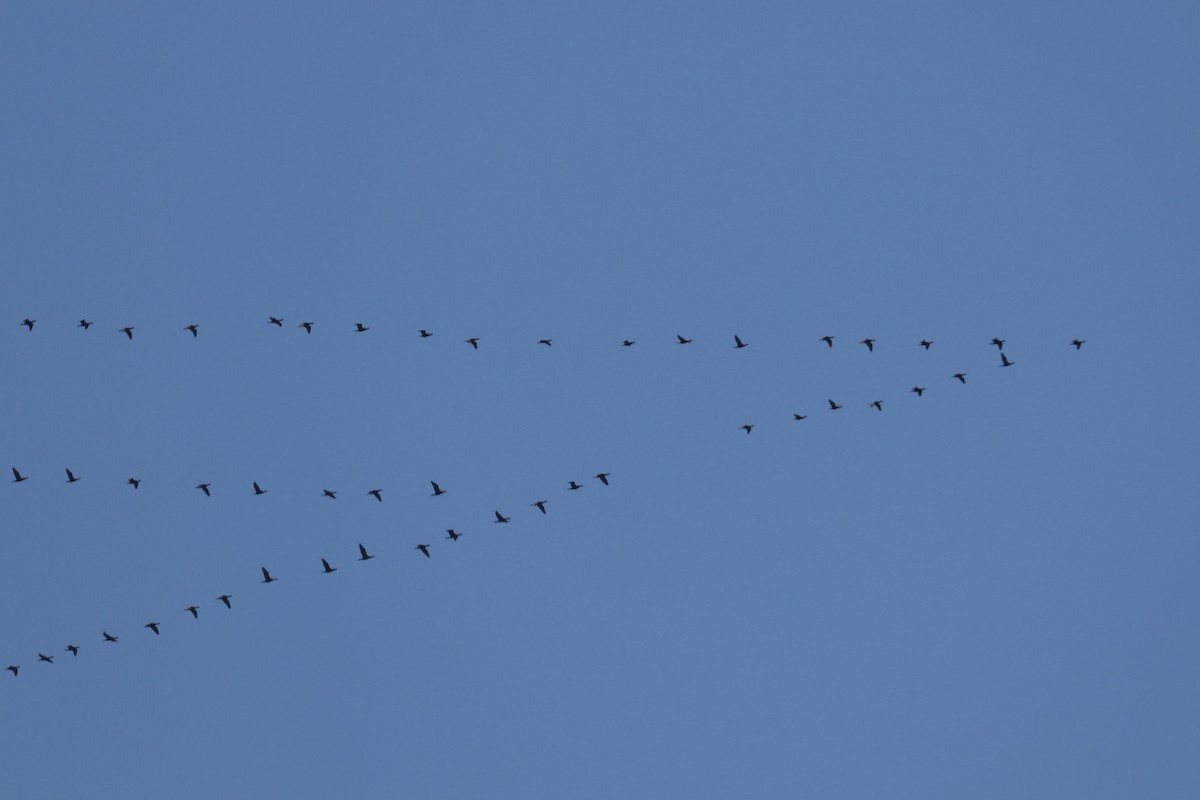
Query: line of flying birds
{"points": [[326, 568]]}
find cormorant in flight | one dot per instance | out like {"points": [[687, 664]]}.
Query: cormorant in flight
{"points": [[360, 328], [258, 489], [962, 376], [870, 343], [195, 329], [424, 333], [424, 548], [746, 428], [925, 343], [83, 323], [71, 476], [833, 406], [275, 321], [377, 494], [108, 637], [73, 649], [603, 476], [1078, 343], [1004, 362], [541, 505], [738, 343], [152, 626], [267, 576], [18, 477], [920, 390], [501, 518], [47, 659], [204, 488], [28, 323], [134, 482], [999, 343], [473, 341], [328, 569], [329, 494], [306, 325], [195, 611], [574, 486], [453, 534], [363, 555], [545, 342], [628, 343], [128, 331], [827, 340], [683, 340], [225, 599], [878, 405], [436, 489]]}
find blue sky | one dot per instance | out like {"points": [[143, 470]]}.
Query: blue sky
{"points": [[988, 591]]}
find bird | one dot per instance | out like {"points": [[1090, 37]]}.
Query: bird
{"points": [[1004, 362], [134, 482], [28, 323], [258, 489], [833, 406], [501, 518], [329, 494], [424, 548], [306, 325], [920, 390], [799, 417], [541, 505], [267, 576], [473, 341], [225, 599], [204, 488], [195, 611], [83, 323], [827, 340], [870, 343], [73, 649], [738, 343], [877, 404], [47, 659], [328, 569], [108, 637], [71, 476], [128, 331], [424, 333], [999, 343], [363, 555], [628, 343], [152, 626], [195, 329], [962, 376], [275, 321], [925, 343], [436, 489], [545, 342], [377, 494], [14, 669], [1078, 343], [453, 534], [746, 428], [683, 340], [360, 328], [18, 477], [574, 486]]}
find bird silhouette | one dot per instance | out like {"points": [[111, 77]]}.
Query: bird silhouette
{"points": [[204, 488], [360, 328], [18, 477], [925, 343], [999, 343], [377, 494], [225, 599], [628, 343], [545, 342], [71, 476], [541, 505], [28, 323], [424, 333], [799, 417], [152, 626], [267, 576], [603, 476], [195, 329], [920, 390], [275, 321], [833, 406], [329, 494], [47, 659], [1078, 343], [746, 428], [424, 548], [574, 486], [14, 669], [738, 343], [195, 611], [363, 555], [108, 637], [473, 341], [128, 331], [134, 482], [72, 649], [1004, 362], [501, 518], [328, 569], [453, 534], [870, 343], [258, 489], [877, 405], [307, 326], [827, 340], [962, 376], [83, 323], [683, 340], [436, 489]]}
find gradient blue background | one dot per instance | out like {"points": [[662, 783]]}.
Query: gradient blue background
{"points": [[987, 592]]}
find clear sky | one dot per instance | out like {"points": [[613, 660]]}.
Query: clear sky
{"points": [[988, 591]]}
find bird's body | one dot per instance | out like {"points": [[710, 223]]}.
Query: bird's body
{"points": [[999, 343], [603, 476], [204, 488], [833, 406], [73, 649], [436, 489], [14, 669], [377, 494], [573, 486], [683, 340], [152, 626], [134, 482], [628, 343], [1004, 362], [738, 344], [325, 566], [307, 326], [799, 417], [424, 548], [194, 610], [71, 476], [424, 334], [363, 555], [452, 534], [1078, 343], [501, 518], [128, 331], [920, 390], [108, 637], [541, 505], [18, 477], [747, 428], [267, 577], [962, 377], [925, 343], [28, 323], [330, 494], [877, 405], [195, 329], [360, 328], [83, 323], [827, 340], [546, 342], [870, 343], [225, 599], [47, 659], [258, 489], [275, 321], [473, 341]]}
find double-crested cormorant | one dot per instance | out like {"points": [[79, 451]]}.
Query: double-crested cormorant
{"points": [[152, 626], [330, 494], [920, 390], [962, 376], [18, 477], [833, 406], [204, 488], [258, 489], [28, 323], [327, 569], [603, 476], [541, 505], [307, 326], [134, 482], [195, 329], [275, 321], [377, 494], [452, 534], [363, 555], [870, 343], [473, 341], [1078, 343], [683, 340], [71, 476], [877, 405], [827, 340], [1004, 362], [360, 328], [225, 599], [424, 548], [267, 576], [501, 518], [194, 611], [128, 331], [738, 343], [925, 343], [747, 428], [83, 323], [436, 489], [574, 486]]}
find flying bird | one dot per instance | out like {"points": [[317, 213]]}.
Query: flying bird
{"points": [[870, 343], [47, 659], [925, 343], [683, 340], [999, 343], [329, 494], [424, 333], [28, 323], [108, 637], [195, 329], [1078, 343], [267, 576], [73, 649], [307, 326], [328, 569], [628, 343], [134, 482], [18, 477], [473, 341], [258, 489], [363, 555], [877, 405], [962, 376], [424, 548], [746, 428], [738, 343], [204, 488], [360, 328], [501, 518], [920, 390], [83, 323], [799, 417], [574, 486], [833, 406], [827, 340], [225, 599], [195, 611], [453, 534], [377, 494], [436, 489], [275, 321], [603, 476], [541, 505], [14, 669], [71, 476], [1004, 362], [128, 331], [545, 342], [152, 626]]}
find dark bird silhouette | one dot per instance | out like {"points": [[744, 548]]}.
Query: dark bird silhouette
{"points": [[683, 340], [267, 576], [962, 376], [999, 343], [195, 611], [47, 659], [275, 321], [833, 406], [18, 477], [453, 534], [1078, 343], [925, 343], [71, 476], [14, 669], [799, 417], [877, 405], [83, 323], [541, 505], [329, 494], [152, 626], [473, 341], [258, 489], [424, 333], [738, 343], [134, 482], [574, 486], [360, 328], [628, 343], [73, 649], [108, 637], [746, 428], [204, 488], [225, 599], [545, 342], [363, 555], [424, 548], [436, 489], [377, 494], [128, 331], [1004, 362], [328, 569], [827, 340], [28, 323], [920, 390], [307, 326], [501, 518], [603, 476], [870, 343], [195, 329]]}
